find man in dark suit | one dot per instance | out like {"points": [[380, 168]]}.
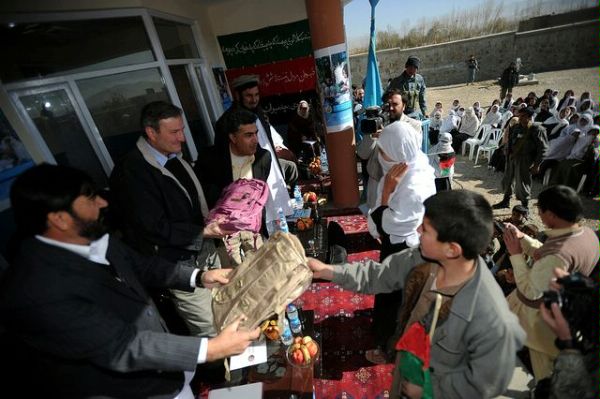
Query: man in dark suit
{"points": [[76, 309], [235, 155], [160, 207]]}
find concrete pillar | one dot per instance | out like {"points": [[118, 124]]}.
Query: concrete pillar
{"points": [[325, 18]]}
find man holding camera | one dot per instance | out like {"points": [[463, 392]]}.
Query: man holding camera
{"points": [[575, 373], [394, 102], [569, 246]]}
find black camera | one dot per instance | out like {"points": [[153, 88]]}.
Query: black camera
{"points": [[373, 120], [575, 298], [499, 226]]}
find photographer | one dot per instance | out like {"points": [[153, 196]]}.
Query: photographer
{"points": [[575, 372], [371, 126], [569, 246]]}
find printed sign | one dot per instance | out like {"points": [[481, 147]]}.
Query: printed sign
{"points": [[263, 46], [281, 77], [335, 87]]}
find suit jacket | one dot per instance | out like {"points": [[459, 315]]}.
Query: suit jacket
{"points": [[153, 209], [215, 173], [82, 333]]}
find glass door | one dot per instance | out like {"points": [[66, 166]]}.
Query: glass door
{"points": [[59, 128]]}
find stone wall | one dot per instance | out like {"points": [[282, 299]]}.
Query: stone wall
{"points": [[562, 47]]}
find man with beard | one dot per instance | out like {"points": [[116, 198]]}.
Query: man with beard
{"points": [[397, 101], [474, 345], [160, 207], [247, 96], [75, 305], [367, 149]]}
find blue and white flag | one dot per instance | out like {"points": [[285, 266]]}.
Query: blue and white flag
{"points": [[373, 90]]}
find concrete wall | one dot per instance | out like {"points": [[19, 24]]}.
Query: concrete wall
{"points": [[566, 18], [562, 47]]}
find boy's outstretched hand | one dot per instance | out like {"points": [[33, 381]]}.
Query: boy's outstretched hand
{"points": [[320, 270]]}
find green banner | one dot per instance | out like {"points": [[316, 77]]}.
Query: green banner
{"points": [[266, 45]]}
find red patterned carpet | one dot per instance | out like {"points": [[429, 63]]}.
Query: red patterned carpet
{"points": [[344, 321], [351, 224]]}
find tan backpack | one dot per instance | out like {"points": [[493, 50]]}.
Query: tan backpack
{"points": [[264, 284]]}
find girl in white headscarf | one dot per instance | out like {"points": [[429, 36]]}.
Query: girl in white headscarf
{"points": [[467, 129], [435, 123], [556, 123], [408, 181], [493, 117], [584, 122]]}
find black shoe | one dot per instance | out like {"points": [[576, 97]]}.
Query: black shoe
{"points": [[501, 205]]}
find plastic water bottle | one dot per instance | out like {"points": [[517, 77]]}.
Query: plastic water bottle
{"points": [[287, 337], [298, 198], [324, 161], [281, 222], [292, 314]]}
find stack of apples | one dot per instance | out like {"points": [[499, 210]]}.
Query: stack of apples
{"points": [[303, 351]]}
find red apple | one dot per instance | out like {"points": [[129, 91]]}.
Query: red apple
{"points": [[298, 357]]}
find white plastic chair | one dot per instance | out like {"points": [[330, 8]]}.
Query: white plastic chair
{"points": [[479, 138], [492, 143]]}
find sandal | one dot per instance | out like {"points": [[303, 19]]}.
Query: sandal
{"points": [[376, 356]]}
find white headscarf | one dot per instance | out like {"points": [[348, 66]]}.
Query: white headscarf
{"points": [[492, 117], [405, 205], [469, 123], [584, 127], [303, 109], [435, 120], [444, 145]]}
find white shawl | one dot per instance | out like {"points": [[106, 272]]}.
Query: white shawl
{"points": [[405, 206]]}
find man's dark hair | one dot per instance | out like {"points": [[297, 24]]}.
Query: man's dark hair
{"points": [[390, 92], [154, 112], [563, 201], [44, 189], [230, 123], [463, 217]]}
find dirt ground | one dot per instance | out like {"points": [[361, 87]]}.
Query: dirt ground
{"points": [[487, 182]]}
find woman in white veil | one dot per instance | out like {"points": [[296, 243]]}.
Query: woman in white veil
{"points": [[407, 181]]}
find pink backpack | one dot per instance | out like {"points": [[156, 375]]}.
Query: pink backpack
{"points": [[240, 205]]}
